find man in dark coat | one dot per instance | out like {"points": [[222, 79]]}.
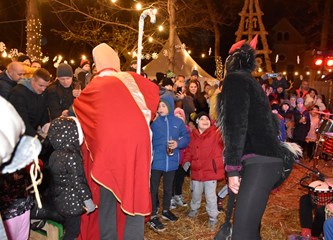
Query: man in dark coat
{"points": [[10, 77], [30, 102]]}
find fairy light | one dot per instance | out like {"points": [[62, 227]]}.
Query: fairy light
{"points": [[307, 73], [155, 11], [319, 72], [160, 28], [284, 73], [113, 1], [72, 61], [259, 69], [203, 55], [150, 39], [4, 54], [34, 38], [138, 6], [296, 73], [189, 51], [83, 57]]}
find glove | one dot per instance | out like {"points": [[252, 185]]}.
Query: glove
{"points": [[89, 204], [186, 166]]}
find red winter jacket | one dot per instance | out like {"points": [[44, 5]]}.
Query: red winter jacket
{"points": [[205, 155]]}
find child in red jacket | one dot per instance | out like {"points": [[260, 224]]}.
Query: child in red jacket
{"points": [[204, 154]]}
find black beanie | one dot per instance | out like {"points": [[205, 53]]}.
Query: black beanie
{"points": [[64, 70], [200, 114]]}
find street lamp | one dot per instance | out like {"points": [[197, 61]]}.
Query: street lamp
{"points": [[152, 14]]}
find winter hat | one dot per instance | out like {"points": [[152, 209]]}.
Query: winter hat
{"points": [[166, 82], [64, 70], [84, 62], [194, 73], [200, 114], [168, 100], [286, 101], [22, 58], [181, 112], [300, 100], [105, 57]]}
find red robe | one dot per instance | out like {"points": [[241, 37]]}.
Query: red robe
{"points": [[117, 153]]}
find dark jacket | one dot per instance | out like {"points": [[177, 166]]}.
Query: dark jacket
{"points": [[31, 106], [59, 99], [69, 184], [164, 128], [6, 84], [245, 116], [301, 130]]}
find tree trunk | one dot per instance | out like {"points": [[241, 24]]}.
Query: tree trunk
{"points": [[217, 51], [34, 36], [172, 30], [325, 26]]}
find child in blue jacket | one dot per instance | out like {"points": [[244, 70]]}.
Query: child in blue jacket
{"points": [[169, 135]]}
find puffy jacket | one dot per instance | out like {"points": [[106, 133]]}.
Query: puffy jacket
{"points": [[69, 184], [205, 155], [165, 128]]}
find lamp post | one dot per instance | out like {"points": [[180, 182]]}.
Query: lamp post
{"points": [[152, 14]]}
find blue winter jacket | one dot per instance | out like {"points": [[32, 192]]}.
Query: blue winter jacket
{"points": [[163, 128]]}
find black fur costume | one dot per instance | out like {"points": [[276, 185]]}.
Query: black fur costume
{"points": [[245, 117]]}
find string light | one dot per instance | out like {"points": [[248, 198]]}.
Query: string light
{"points": [[113, 1], [189, 51], [160, 28], [138, 6], [34, 39], [296, 73], [83, 57], [203, 55], [4, 54], [219, 68], [72, 61], [150, 39], [284, 73], [307, 73]]}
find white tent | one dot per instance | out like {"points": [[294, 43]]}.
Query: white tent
{"points": [[184, 63]]}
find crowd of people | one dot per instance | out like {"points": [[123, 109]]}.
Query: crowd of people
{"points": [[97, 161]]}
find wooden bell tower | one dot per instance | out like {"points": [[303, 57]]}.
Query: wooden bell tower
{"points": [[250, 25]]}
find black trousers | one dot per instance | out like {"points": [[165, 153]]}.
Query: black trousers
{"points": [[167, 188], [178, 181], [72, 227], [107, 218], [256, 184], [306, 216]]}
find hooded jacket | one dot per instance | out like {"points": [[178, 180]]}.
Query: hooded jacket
{"points": [[165, 128], [70, 189], [205, 155]]}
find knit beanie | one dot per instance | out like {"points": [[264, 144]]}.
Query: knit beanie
{"points": [[200, 114], [84, 62], [300, 100], [64, 70], [180, 112], [195, 73]]}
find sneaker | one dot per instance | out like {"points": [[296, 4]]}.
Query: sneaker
{"points": [[220, 204], [192, 213], [168, 215], [156, 224], [212, 224], [180, 200], [173, 204]]}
